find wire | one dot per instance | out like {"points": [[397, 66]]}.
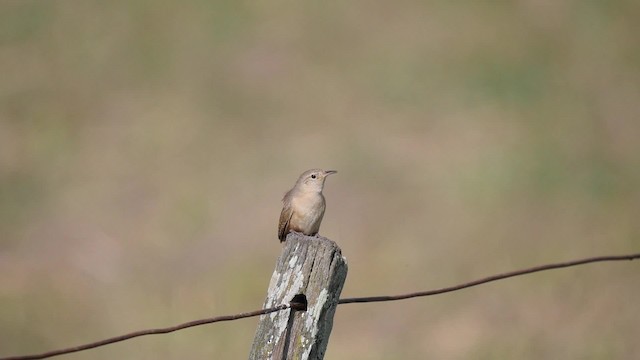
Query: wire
{"points": [[298, 305], [488, 279], [148, 332]]}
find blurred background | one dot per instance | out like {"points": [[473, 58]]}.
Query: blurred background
{"points": [[145, 147]]}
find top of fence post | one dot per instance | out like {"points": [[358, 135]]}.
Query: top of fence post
{"points": [[309, 266]]}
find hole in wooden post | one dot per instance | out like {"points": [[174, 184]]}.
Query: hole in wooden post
{"points": [[299, 302]]}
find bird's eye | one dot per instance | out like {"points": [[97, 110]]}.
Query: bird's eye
{"points": [[313, 176]]}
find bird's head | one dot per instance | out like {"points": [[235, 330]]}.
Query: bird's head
{"points": [[313, 180]]}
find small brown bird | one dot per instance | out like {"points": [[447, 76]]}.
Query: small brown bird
{"points": [[304, 204]]}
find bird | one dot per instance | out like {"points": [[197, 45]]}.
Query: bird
{"points": [[304, 205]]}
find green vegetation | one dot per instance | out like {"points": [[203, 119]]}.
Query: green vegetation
{"points": [[145, 147]]}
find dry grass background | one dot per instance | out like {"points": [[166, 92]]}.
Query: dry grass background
{"points": [[145, 146]]}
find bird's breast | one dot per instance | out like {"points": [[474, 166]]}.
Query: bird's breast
{"points": [[309, 204], [308, 210]]}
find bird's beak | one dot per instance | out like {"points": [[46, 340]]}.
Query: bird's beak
{"points": [[329, 172]]}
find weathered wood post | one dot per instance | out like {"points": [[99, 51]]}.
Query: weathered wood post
{"points": [[309, 266]]}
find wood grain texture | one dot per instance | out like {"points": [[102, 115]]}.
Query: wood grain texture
{"points": [[315, 267]]}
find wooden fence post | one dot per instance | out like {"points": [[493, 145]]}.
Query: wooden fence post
{"points": [[309, 266]]}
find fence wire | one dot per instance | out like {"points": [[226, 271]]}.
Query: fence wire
{"points": [[296, 305]]}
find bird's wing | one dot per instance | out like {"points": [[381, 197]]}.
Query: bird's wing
{"points": [[283, 225]]}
